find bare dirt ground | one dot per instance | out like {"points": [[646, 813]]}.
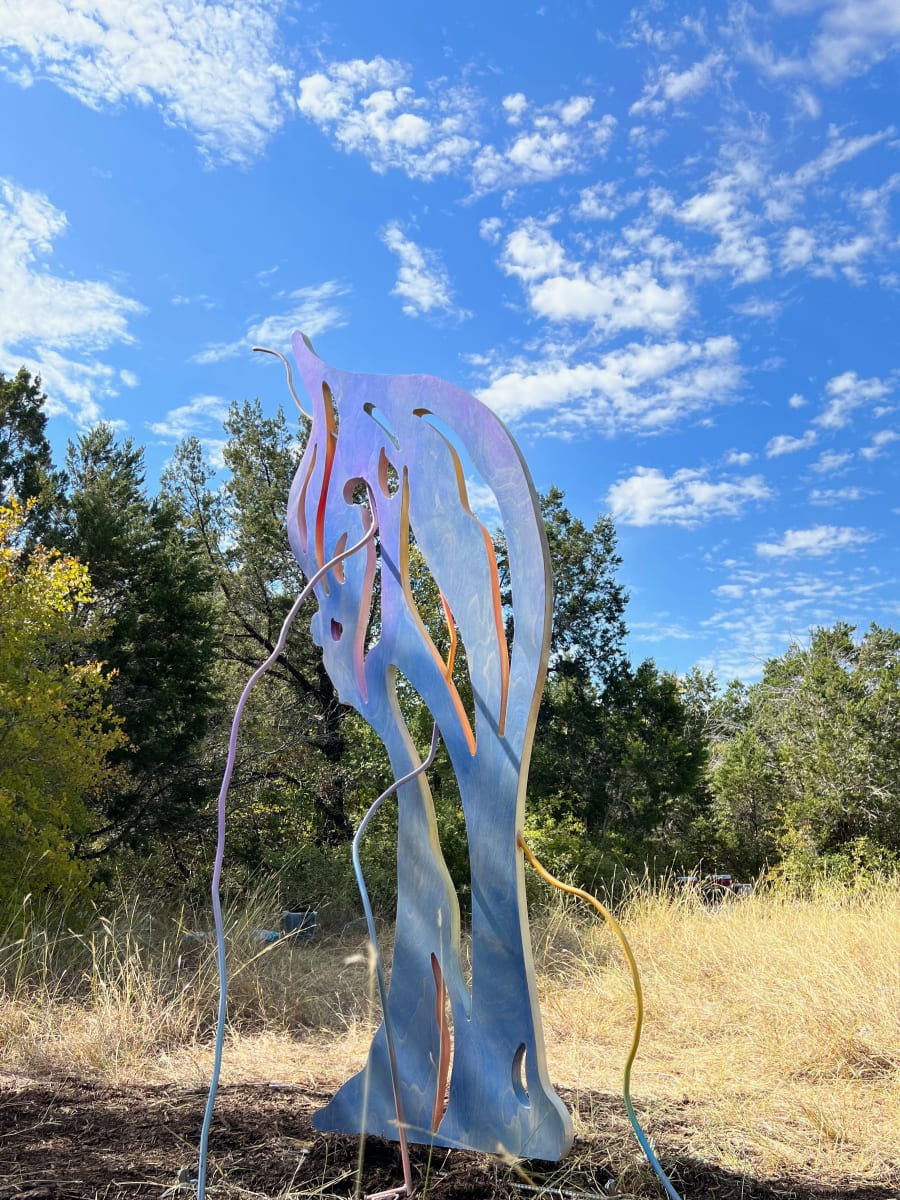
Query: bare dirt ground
{"points": [[67, 1139]]}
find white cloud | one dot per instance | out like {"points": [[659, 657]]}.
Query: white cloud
{"points": [[598, 203], [806, 103], [738, 458], [783, 443], [532, 253], [645, 138], [632, 298], [214, 452], [853, 35], [847, 392], [846, 256], [874, 204], [557, 139], [514, 107], [759, 309], [730, 591], [641, 388], [422, 280], [312, 309], [191, 418], [200, 298], [796, 401], [209, 68], [831, 496], [838, 151], [648, 497], [764, 610], [831, 461], [490, 228], [798, 249], [629, 298], [57, 326], [674, 87], [817, 541], [877, 446], [369, 109], [660, 630], [723, 212], [640, 32]]}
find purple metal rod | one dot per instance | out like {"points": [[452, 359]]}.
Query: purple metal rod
{"points": [[220, 845]]}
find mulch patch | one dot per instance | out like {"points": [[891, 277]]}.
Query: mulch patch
{"points": [[72, 1140]]}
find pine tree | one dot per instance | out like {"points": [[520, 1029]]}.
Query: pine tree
{"points": [[154, 590], [26, 467]]}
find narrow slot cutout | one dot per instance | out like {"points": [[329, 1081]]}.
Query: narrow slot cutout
{"points": [[331, 428], [339, 548], [444, 1018], [356, 492], [381, 420], [388, 479], [520, 1086], [457, 664], [301, 500]]}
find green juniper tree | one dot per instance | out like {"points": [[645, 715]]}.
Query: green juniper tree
{"points": [[154, 591], [810, 768], [295, 778]]}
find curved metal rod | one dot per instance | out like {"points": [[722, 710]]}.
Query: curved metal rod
{"points": [[614, 925], [220, 843], [379, 964], [290, 377]]}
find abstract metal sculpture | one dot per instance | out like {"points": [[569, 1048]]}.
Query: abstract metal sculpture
{"points": [[384, 458], [396, 444]]}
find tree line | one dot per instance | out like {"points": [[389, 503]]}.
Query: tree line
{"points": [[130, 619]]}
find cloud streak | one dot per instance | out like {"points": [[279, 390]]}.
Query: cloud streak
{"points": [[688, 497], [423, 283], [210, 68], [636, 388], [815, 542], [313, 310], [61, 326]]}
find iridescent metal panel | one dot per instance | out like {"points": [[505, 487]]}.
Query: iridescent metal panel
{"points": [[402, 435]]}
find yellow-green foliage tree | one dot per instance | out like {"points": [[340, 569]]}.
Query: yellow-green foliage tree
{"points": [[56, 727]]}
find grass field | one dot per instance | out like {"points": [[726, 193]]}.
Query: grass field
{"points": [[771, 1051]]}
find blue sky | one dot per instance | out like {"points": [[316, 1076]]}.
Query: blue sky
{"points": [[661, 242]]}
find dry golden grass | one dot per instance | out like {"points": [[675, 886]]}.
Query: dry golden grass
{"points": [[772, 1027], [771, 1046]]}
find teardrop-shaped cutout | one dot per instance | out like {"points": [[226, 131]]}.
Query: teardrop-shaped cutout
{"points": [[444, 1017]]}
